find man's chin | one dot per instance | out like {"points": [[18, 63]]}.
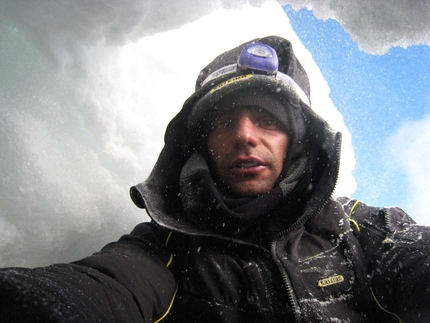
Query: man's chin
{"points": [[250, 189]]}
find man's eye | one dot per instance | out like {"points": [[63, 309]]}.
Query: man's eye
{"points": [[223, 126], [268, 123]]}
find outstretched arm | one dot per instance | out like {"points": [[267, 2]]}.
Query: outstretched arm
{"points": [[127, 281]]}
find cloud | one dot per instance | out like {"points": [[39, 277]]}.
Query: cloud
{"points": [[410, 151]]}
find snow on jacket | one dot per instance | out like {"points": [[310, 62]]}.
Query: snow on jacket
{"points": [[344, 265], [292, 255]]}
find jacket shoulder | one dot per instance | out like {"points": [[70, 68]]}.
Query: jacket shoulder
{"points": [[400, 250], [374, 226], [385, 219]]}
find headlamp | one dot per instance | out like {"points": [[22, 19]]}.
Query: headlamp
{"points": [[258, 58], [255, 58]]}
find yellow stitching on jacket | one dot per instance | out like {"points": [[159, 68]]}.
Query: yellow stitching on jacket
{"points": [[170, 261], [390, 237], [168, 309], [382, 308], [352, 220], [353, 207], [165, 244], [168, 238], [174, 295]]}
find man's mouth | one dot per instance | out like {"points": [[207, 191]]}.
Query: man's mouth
{"points": [[248, 164]]}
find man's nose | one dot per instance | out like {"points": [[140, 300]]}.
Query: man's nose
{"points": [[245, 132]]}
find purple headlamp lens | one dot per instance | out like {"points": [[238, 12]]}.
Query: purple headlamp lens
{"points": [[259, 58]]}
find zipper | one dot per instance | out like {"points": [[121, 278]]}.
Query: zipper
{"points": [[288, 285], [271, 289], [284, 274]]}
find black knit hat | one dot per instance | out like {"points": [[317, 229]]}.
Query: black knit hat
{"points": [[263, 72], [247, 97]]}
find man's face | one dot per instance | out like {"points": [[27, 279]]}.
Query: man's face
{"points": [[248, 146]]}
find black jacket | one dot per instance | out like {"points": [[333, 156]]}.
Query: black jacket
{"points": [[292, 255], [345, 265]]}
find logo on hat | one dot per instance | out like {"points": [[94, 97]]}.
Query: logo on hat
{"points": [[230, 81]]}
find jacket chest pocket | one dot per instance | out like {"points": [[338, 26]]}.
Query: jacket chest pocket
{"points": [[326, 276]]}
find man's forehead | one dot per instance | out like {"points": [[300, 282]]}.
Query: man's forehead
{"points": [[237, 111], [253, 99]]}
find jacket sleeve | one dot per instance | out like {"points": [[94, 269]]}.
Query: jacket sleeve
{"points": [[127, 281], [399, 260], [401, 278]]}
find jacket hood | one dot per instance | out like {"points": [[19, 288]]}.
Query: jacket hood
{"points": [[313, 156]]}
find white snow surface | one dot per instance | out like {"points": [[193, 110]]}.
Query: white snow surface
{"points": [[88, 87]]}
